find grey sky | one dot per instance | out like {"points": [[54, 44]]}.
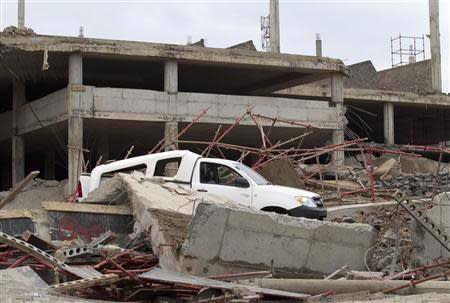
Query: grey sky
{"points": [[353, 31]]}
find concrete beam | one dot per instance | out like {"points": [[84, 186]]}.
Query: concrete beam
{"points": [[40, 113], [18, 142], [435, 45], [187, 54], [271, 85], [370, 95], [337, 97], [388, 116], [147, 105]]}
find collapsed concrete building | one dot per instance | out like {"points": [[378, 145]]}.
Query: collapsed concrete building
{"points": [[62, 92], [66, 97]]}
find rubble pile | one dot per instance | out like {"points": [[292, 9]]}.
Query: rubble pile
{"points": [[419, 184], [35, 192], [146, 238], [396, 247], [15, 31]]}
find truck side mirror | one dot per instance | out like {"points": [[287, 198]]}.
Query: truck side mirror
{"points": [[241, 182]]}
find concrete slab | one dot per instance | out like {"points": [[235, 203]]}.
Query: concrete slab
{"points": [[232, 239]]}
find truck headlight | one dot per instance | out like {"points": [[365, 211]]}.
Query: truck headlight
{"points": [[306, 201]]}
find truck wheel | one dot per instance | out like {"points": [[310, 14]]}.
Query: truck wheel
{"points": [[275, 209]]}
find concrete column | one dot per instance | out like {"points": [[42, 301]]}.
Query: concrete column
{"points": [[435, 45], [171, 87], [171, 77], [75, 127], [18, 143], [21, 13], [170, 133], [274, 26], [75, 69], [75, 142], [318, 46], [388, 115], [49, 165], [337, 97]]}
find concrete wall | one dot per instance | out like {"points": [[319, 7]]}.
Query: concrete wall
{"points": [[44, 111], [239, 240], [135, 104]]}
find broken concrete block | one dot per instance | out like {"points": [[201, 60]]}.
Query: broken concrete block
{"points": [[111, 191], [384, 168], [226, 239], [440, 214]]}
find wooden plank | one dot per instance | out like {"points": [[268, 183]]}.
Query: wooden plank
{"points": [[17, 189], [85, 283], [84, 207], [16, 213]]}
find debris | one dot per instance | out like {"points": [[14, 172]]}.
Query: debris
{"points": [[418, 185], [315, 287], [336, 272], [10, 196], [35, 192], [44, 257], [281, 172], [15, 31], [159, 275], [85, 283]]}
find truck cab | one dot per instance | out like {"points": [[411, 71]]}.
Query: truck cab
{"points": [[231, 180], [239, 183]]}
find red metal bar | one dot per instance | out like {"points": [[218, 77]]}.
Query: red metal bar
{"points": [[315, 173], [271, 159], [160, 144], [19, 261], [236, 123], [415, 282], [371, 180], [283, 120], [348, 193], [123, 270], [420, 268], [127, 252], [133, 271], [329, 148]]}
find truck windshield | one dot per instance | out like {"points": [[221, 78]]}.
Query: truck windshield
{"points": [[257, 178]]}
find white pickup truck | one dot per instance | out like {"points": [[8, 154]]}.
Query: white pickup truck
{"points": [[230, 179]]}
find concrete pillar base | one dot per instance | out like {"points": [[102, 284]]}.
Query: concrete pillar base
{"points": [[75, 152], [388, 116], [337, 156], [170, 133]]}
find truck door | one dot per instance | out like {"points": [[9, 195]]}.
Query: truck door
{"points": [[224, 181]]}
